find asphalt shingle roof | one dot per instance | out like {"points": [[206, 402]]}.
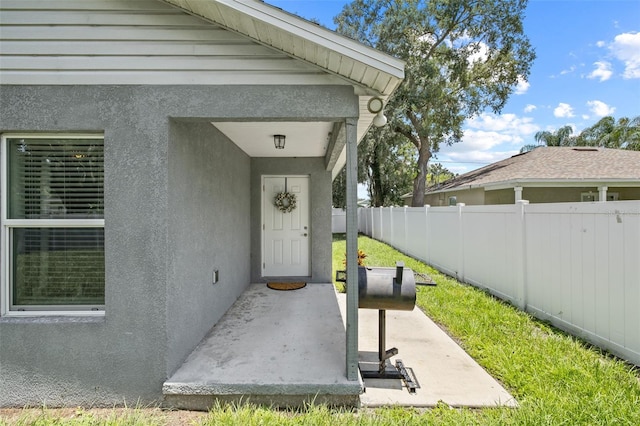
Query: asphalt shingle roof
{"points": [[553, 164]]}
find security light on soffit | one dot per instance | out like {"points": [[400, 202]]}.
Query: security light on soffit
{"points": [[375, 106]]}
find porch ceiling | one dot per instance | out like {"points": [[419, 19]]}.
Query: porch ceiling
{"points": [[304, 139]]}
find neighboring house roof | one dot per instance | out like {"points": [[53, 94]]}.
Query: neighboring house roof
{"points": [[553, 166]]}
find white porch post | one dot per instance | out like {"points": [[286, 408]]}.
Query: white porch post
{"points": [[518, 191], [602, 193], [352, 249]]}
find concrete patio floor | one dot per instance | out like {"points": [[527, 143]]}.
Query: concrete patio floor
{"points": [[281, 348], [287, 348]]}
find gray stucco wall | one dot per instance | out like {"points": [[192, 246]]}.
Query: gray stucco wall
{"points": [[209, 227], [118, 358], [127, 355]]}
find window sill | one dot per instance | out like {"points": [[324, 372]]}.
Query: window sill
{"points": [[53, 318]]}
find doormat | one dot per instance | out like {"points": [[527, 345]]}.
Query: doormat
{"points": [[286, 286]]}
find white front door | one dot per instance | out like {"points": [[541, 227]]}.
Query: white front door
{"points": [[286, 236]]}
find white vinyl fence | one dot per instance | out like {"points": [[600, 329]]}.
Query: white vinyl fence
{"points": [[338, 221], [576, 265]]}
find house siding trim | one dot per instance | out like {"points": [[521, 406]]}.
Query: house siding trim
{"points": [[142, 42]]}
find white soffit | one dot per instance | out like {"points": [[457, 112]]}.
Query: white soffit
{"points": [[303, 139]]}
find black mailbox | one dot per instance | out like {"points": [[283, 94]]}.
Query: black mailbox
{"points": [[386, 288]]}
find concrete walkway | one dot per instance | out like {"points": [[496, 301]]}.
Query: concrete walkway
{"points": [[443, 370], [287, 348]]}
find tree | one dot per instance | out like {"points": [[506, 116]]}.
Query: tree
{"points": [[385, 162], [339, 192], [561, 137], [623, 134], [607, 133], [438, 174], [462, 57]]}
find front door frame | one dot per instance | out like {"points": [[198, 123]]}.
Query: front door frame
{"points": [[263, 229]]}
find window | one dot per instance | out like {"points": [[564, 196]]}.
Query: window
{"points": [[52, 224]]}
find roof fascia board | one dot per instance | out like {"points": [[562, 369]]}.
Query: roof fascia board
{"points": [[537, 183], [557, 183], [318, 34]]}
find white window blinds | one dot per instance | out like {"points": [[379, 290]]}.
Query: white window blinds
{"points": [[56, 255], [56, 178]]}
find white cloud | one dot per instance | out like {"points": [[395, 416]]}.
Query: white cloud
{"points": [[522, 86], [563, 110], [530, 108], [488, 138], [571, 69], [626, 48], [482, 157], [504, 123], [585, 117], [600, 43], [602, 71], [600, 109], [480, 140]]}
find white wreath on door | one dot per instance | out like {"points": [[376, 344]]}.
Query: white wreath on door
{"points": [[285, 202]]}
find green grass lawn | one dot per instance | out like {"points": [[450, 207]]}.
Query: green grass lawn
{"points": [[557, 379]]}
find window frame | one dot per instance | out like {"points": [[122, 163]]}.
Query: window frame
{"points": [[6, 244]]}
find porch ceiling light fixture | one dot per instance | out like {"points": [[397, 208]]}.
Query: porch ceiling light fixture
{"points": [[278, 141]]}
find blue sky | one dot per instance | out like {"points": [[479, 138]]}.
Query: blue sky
{"points": [[587, 67]]}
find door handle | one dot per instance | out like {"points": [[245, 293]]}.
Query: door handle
{"points": [[304, 235]]}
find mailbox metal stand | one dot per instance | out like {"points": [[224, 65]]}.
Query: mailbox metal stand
{"points": [[399, 372]]}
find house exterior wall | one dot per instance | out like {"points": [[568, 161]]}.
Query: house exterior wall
{"points": [[470, 197], [118, 357], [124, 357], [209, 228], [501, 196], [625, 193], [564, 195], [555, 195], [320, 210]]}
